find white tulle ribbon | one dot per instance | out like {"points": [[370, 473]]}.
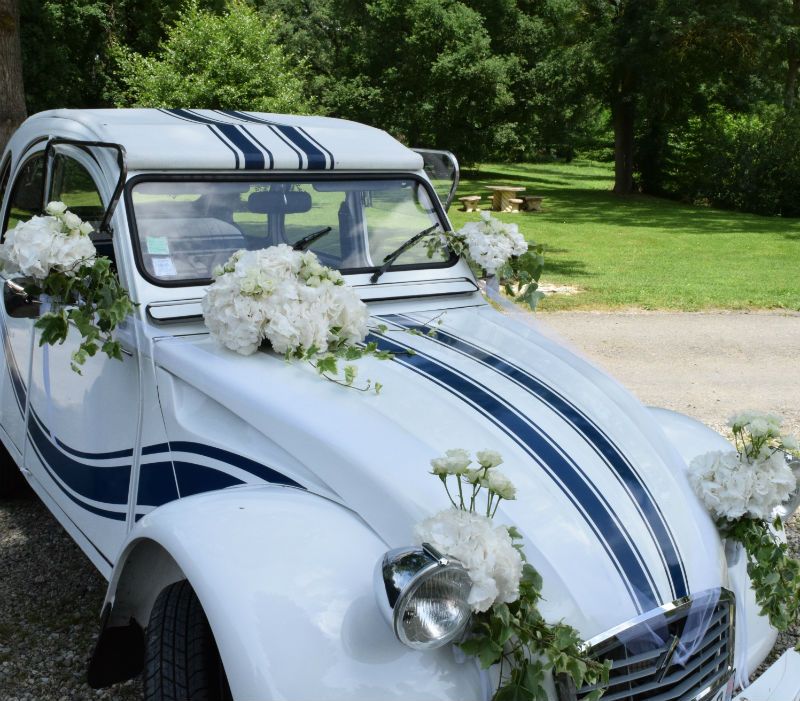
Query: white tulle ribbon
{"points": [[48, 395]]}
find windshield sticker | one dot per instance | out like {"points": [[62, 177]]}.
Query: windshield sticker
{"points": [[157, 245], [164, 267]]}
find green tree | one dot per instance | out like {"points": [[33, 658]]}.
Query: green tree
{"points": [[227, 61], [12, 99]]}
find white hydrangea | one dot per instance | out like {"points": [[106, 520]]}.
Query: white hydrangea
{"points": [[491, 242], [484, 549], [58, 242], [285, 297], [731, 487]]}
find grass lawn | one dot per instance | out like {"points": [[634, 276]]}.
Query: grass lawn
{"points": [[642, 251]]}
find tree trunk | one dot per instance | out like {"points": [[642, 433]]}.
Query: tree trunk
{"points": [[623, 116], [12, 94], [793, 61]]}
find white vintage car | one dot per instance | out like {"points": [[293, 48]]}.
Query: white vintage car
{"points": [[238, 505]]}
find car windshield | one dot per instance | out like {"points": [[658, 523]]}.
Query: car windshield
{"points": [[185, 228]]}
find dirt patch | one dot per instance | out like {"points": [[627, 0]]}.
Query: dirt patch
{"points": [[705, 364]]}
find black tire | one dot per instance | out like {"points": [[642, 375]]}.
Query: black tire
{"points": [[182, 662], [12, 483]]}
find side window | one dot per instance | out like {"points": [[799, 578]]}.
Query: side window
{"points": [[26, 194], [72, 184], [5, 172]]}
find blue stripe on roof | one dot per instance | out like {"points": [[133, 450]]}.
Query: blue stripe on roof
{"points": [[565, 474]]}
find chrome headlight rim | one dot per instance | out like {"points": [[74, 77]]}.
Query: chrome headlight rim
{"points": [[394, 597]]}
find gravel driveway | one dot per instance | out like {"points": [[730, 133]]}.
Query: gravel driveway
{"points": [[706, 365]]}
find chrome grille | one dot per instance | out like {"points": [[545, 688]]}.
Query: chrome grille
{"points": [[679, 652]]}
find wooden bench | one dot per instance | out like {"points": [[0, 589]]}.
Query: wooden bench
{"points": [[532, 204], [470, 203]]}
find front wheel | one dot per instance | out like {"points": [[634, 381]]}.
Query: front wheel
{"points": [[182, 662]]}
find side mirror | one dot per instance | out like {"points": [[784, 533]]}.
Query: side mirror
{"points": [[18, 303], [442, 169]]}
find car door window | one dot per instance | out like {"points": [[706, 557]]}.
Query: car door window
{"points": [[26, 195], [5, 172], [72, 184]]}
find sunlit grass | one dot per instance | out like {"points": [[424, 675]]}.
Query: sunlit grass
{"points": [[642, 251]]}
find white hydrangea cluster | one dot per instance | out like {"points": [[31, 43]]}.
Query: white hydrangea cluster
{"points": [[731, 486], [491, 242], [59, 242], [286, 297], [484, 549]]}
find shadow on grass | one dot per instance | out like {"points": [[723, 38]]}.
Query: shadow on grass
{"points": [[578, 205]]}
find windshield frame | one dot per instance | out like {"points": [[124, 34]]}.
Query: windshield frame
{"points": [[260, 176]]}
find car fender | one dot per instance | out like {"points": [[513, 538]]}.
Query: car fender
{"points": [[285, 578], [692, 438]]}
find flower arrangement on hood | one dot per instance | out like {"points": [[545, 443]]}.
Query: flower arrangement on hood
{"points": [[59, 263], [290, 300], [506, 626], [497, 249], [743, 490]]}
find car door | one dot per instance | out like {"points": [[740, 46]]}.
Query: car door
{"points": [[18, 312], [82, 428]]}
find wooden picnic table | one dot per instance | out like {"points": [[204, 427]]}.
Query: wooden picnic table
{"points": [[502, 196]]}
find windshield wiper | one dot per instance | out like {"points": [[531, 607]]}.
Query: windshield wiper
{"points": [[392, 257], [310, 238]]}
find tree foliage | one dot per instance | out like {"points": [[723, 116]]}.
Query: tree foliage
{"points": [[488, 79], [217, 61]]}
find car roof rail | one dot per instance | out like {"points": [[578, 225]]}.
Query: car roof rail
{"points": [[54, 141]]}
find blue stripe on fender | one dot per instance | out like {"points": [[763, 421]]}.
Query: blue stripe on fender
{"points": [[603, 446], [195, 479], [564, 473], [156, 484], [243, 463]]}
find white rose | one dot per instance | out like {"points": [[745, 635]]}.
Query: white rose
{"points": [[55, 208], [72, 221], [501, 485], [790, 442], [489, 458], [86, 228]]}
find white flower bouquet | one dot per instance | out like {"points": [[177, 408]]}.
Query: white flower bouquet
{"points": [[751, 481], [506, 627], [290, 300], [59, 242], [744, 489], [61, 267], [497, 249]]}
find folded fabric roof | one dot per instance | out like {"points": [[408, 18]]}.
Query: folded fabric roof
{"points": [[190, 139]]}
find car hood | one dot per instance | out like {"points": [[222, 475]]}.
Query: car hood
{"points": [[602, 500]]}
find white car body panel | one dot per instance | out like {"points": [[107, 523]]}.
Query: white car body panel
{"points": [[274, 492]]}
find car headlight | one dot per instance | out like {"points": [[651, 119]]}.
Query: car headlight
{"points": [[423, 596]]}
